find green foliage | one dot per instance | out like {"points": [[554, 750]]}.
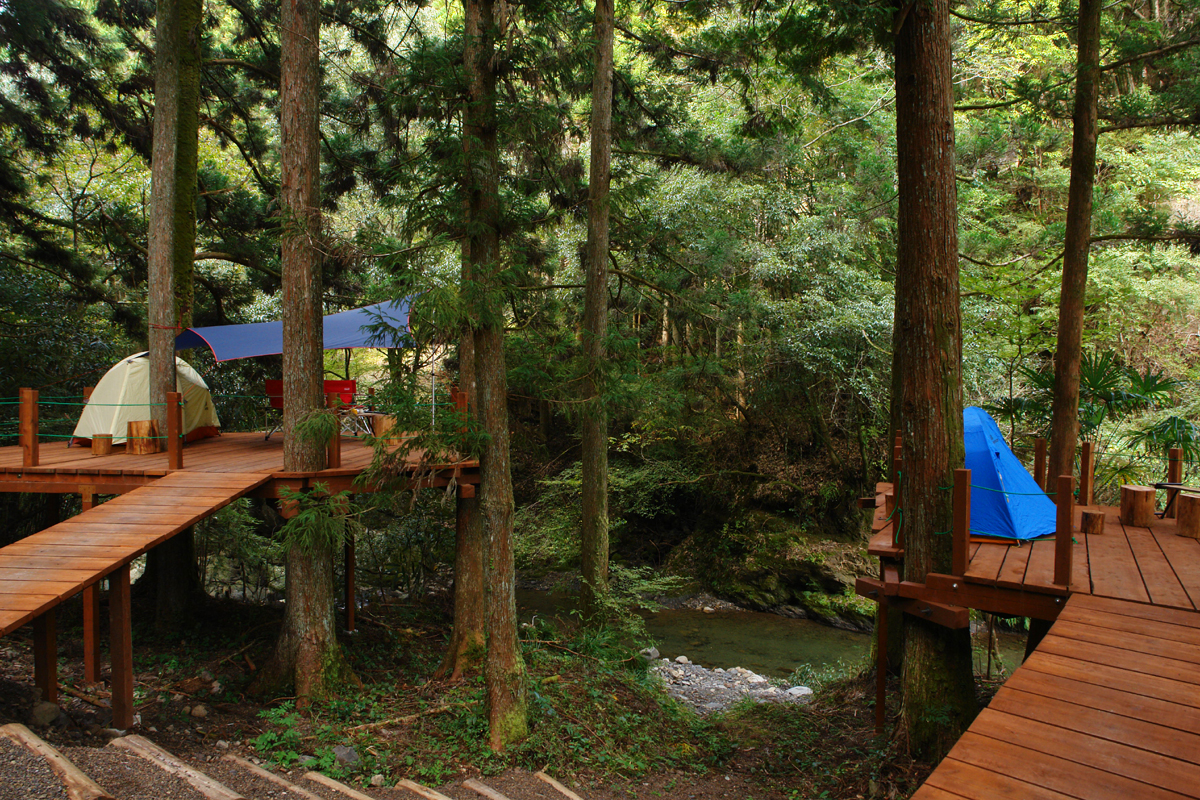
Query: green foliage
{"points": [[319, 523]]}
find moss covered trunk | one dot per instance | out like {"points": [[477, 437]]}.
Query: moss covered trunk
{"points": [[307, 655], [467, 640], [504, 669], [594, 425], [938, 689]]}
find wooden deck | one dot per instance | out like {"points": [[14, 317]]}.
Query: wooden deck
{"points": [[1108, 706], [40, 571], [1145, 565], [153, 503], [66, 469]]}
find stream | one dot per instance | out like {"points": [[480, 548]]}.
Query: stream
{"points": [[768, 644]]}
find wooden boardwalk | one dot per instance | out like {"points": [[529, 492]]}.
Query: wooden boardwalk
{"points": [[1108, 706], [153, 503], [40, 571], [1142, 564]]}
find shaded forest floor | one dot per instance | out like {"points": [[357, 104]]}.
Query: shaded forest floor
{"points": [[599, 721]]}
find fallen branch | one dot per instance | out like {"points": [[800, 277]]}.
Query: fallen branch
{"points": [[370, 726]]}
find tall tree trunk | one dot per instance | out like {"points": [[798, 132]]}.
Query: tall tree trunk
{"points": [[504, 669], [467, 641], [1064, 425], [307, 655], [594, 544], [171, 567], [938, 689]]}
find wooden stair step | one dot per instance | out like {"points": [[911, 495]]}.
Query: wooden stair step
{"points": [[202, 783]]}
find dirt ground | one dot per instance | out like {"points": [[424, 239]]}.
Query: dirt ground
{"points": [[827, 750]]}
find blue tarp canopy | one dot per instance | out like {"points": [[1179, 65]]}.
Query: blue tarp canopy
{"points": [[360, 327], [1005, 500]]}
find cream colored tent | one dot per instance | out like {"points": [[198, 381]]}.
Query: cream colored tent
{"points": [[123, 394]]}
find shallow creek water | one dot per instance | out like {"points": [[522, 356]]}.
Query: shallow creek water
{"points": [[768, 644]]}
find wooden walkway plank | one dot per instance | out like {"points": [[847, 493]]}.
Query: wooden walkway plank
{"points": [[1012, 571], [1052, 772], [1183, 554], [1102, 655], [1137, 610], [1139, 643], [1135, 706], [1095, 720], [1081, 747], [986, 564], [1162, 678], [1114, 570], [1136, 625], [956, 778], [1159, 577]]}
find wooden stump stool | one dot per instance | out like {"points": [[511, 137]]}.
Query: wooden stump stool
{"points": [[1137, 505], [142, 437], [1092, 522], [102, 444], [1188, 518]]}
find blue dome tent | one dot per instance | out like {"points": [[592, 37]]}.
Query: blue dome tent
{"points": [[1005, 500]]}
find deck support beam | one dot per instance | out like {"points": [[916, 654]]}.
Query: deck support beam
{"points": [[350, 589], [120, 631], [91, 633], [45, 656], [881, 665]]}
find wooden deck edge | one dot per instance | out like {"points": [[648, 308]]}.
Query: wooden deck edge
{"points": [[425, 791]]}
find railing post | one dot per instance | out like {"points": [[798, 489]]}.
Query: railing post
{"points": [[896, 512], [962, 522], [1174, 475], [1039, 462], [174, 430], [333, 452], [1064, 529], [1087, 472], [28, 428]]}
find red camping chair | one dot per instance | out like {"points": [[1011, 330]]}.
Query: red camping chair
{"points": [[345, 391]]}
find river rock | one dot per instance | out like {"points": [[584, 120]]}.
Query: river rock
{"points": [[682, 660], [650, 653], [706, 690]]}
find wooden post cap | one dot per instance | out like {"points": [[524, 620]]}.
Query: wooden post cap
{"points": [[1187, 520], [1137, 505]]}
